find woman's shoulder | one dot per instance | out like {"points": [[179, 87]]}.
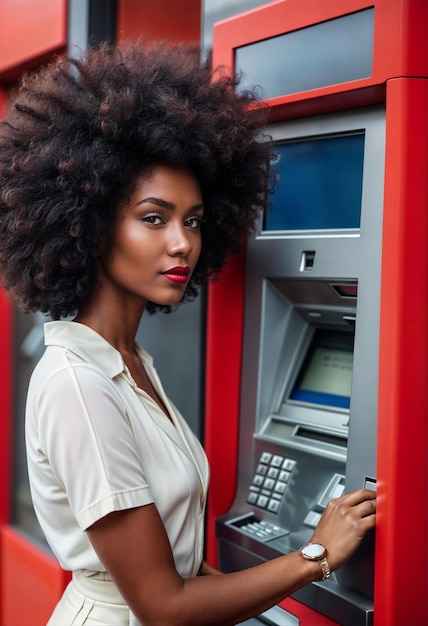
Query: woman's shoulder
{"points": [[60, 368]]}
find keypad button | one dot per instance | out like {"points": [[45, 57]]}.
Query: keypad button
{"points": [[280, 487], [273, 506], [288, 465], [265, 457], [284, 476], [258, 480], [269, 483], [252, 497], [273, 472], [277, 460], [262, 501], [262, 469]]}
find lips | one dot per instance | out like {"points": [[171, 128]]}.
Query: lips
{"points": [[177, 274]]}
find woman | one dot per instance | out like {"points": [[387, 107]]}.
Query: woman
{"points": [[126, 178]]}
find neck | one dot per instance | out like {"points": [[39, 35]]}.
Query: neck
{"points": [[118, 327]]}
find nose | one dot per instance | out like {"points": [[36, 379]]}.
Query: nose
{"points": [[179, 242]]}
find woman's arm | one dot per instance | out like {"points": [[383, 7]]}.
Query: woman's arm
{"points": [[208, 570], [134, 548]]}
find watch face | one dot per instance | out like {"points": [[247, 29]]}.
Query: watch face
{"points": [[313, 550]]}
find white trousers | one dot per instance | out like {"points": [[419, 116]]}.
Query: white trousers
{"points": [[93, 601]]}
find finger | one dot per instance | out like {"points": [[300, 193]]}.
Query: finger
{"points": [[363, 509], [372, 504], [367, 522], [356, 497]]}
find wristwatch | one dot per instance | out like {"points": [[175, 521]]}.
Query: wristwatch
{"points": [[317, 552]]}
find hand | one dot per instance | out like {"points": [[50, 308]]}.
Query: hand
{"points": [[344, 523]]}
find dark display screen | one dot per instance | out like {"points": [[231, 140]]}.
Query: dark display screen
{"points": [[318, 185], [326, 375], [328, 53]]}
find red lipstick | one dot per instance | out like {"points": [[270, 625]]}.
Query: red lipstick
{"points": [[177, 274]]}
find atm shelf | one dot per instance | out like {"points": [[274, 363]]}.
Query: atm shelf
{"points": [[240, 549]]}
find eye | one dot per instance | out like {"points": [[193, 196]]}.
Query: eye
{"points": [[193, 222], [153, 218]]}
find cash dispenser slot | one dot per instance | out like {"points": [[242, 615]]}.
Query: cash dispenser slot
{"points": [[310, 434]]}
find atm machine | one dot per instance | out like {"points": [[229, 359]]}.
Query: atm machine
{"points": [[310, 361], [299, 408]]}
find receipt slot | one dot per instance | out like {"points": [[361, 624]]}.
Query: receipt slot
{"points": [[317, 339]]}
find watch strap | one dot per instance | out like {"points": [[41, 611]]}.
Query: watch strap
{"points": [[325, 568]]}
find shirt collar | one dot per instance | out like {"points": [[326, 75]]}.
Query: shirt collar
{"points": [[88, 345]]}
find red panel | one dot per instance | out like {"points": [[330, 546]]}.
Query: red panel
{"points": [[5, 405], [400, 46], [223, 375], [159, 20], [32, 581], [30, 31], [5, 417], [307, 616], [402, 546]]}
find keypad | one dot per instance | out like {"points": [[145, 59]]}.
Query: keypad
{"points": [[270, 482], [263, 531]]}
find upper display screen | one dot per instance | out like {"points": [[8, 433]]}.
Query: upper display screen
{"points": [[329, 53], [319, 184]]}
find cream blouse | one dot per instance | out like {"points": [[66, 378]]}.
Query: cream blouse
{"points": [[96, 443]]}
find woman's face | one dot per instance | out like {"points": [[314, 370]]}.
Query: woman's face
{"points": [[157, 241]]}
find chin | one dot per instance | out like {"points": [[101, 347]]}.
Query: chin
{"points": [[168, 301]]}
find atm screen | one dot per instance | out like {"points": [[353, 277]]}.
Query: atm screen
{"points": [[318, 185], [325, 377]]}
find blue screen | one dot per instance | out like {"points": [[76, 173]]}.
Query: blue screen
{"points": [[326, 375], [318, 184], [327, 399]]}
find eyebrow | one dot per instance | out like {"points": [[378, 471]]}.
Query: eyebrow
{"points": [[167, 205]]}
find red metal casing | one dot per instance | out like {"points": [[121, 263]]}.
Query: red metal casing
{"points": [[30, 32], [6, 378], [400, 81]]}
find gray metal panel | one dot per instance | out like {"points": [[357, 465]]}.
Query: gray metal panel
{"points": [[215, 10], [274, 617], [89, 23], [175, 341], [283, 299], [78, 26]]}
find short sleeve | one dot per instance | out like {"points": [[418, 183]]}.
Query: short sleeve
{"points": [[84, 433]]}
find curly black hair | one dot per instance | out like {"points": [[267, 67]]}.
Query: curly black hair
{"points": [[79, 133]]}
